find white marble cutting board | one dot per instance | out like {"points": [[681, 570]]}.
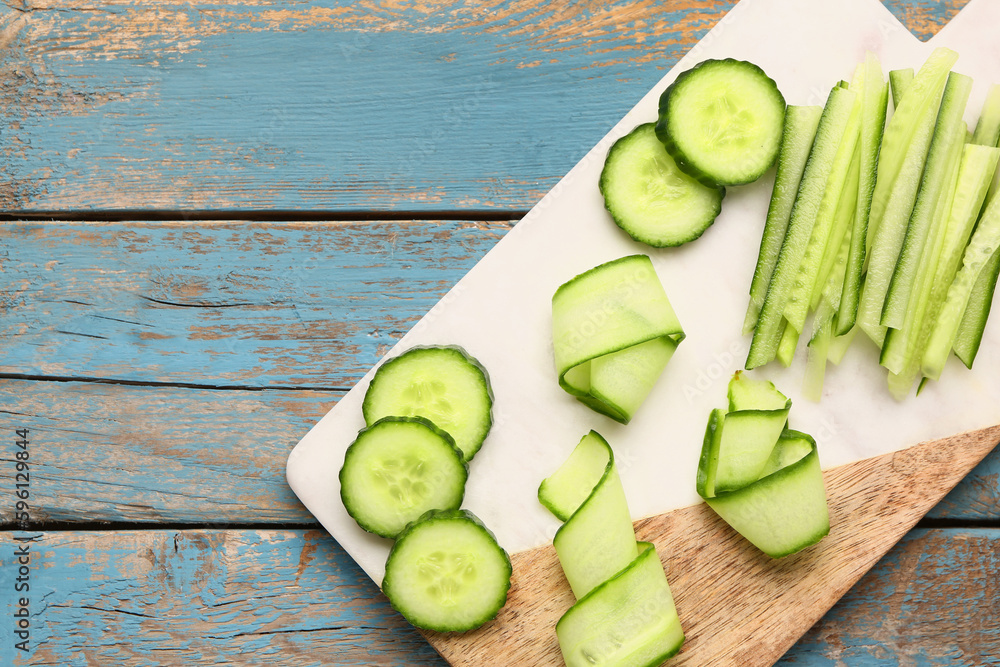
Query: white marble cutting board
{"points": [[501, 310]]}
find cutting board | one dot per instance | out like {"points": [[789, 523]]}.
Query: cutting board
{"points": [[736, 606]]}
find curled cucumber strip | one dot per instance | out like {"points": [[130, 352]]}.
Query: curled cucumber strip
{"points": [[614, 331], [781, 507], [624, 614]]}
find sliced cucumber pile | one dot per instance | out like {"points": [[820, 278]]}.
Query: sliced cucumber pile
{"points": [[442, 384], [614, 331], [428, 412], [768, 486], [447, 573], [625, 614], [891, 231], [396, 470], [722, 121], [650, 198]]}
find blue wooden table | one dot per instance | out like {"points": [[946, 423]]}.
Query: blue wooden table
{"points": [[217, 217]]}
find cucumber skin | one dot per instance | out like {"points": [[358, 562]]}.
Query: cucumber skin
{"points": [[467, 456], [436, 515], [699, 228], [419, 420], [663, 132]]}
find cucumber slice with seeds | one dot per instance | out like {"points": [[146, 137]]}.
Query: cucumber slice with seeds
{"points": [[396, 470], [722, 121], [650, 198], [442, 384], [447, 573]]}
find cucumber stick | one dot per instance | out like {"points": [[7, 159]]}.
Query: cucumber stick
{"points": [[985, 241], [948, 138], [887, 229], [874, 107], [800, 297], [770, 327], [613, 333], [973, 325], [900, 80], [624, 614], [796, 142]]}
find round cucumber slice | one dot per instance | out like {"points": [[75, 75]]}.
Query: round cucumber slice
{"points": [[396, 470], [650, 198], [722, 121], [443, 384], [447, 573]]}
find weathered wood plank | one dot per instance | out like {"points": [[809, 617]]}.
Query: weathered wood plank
{"points": [[117, 453], [207, 597], [105, 452], [285, 104], [249, 304]]}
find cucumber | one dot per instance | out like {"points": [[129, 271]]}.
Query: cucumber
{"points": [[780, 506], [447, 573], [722, 121], [796, 141], [977, 312], [874, 108], [757, 415], [772, 324], [944, 150], [785, 510], [900, 80], [624, 615], [442, 384], [650, 198], [629, 620], [614, 331], [596, 539], [396, 470]]}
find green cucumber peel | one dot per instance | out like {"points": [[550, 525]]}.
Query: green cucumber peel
{"points": [[799, 132], [970, 331], [945, 147], [624, 614], [614, 331], [771, 324], [988, 128]]}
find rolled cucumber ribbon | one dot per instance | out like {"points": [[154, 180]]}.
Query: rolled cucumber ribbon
{"points": [[761, 477], [614, 331], [624, 614]]}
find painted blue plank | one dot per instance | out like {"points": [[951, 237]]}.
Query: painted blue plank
{"points": [[128, 454], [259, 304], [289, 105], [931, 601]]}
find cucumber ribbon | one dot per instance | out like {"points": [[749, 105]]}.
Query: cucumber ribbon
{"points": [[624, 614], [614, 331], [761, 477]]}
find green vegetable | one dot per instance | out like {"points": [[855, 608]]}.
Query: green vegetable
{"points": [[447, 573], [624, 614], [396, 470], [613, 333], [722, 121], [650, 198], [442, 384]]}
